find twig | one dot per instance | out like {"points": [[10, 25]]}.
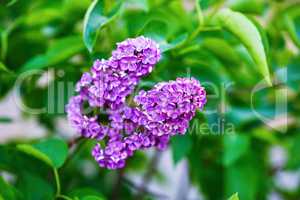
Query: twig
{"points": [[72, 142], [79, 142], [147, 191], [117, 186], [148, 175]]}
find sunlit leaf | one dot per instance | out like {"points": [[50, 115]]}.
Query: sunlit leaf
{"points": [[221, 49], [291, 29], [138, 4], [92, 198], [262, 33], [52, 151], [12, 2], [239, 25], [43, 16], [234, 197], [6, 191], [234, 147], [84, 192], [248, 6], [59, 51], [3, 41], [95, 19]]}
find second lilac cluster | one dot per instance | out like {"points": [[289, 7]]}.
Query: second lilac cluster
{"points": [[157, 115]]}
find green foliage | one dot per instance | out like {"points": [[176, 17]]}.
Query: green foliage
{"points": [[35, 187], [86, 194], [95, 19], [181, 146], [230, 46], [235, 146], [59, 51], [243, 29], [92, 198], [51, 151], [6, 191], [3, 68], [234, 197]]}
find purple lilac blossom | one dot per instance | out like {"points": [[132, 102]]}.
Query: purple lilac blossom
{"points": [[159, 113], [169, 106]]}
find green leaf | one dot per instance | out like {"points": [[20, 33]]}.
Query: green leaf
{"points": [[64, 48], [141, 4], [35, 187], [181, 146], [3, 41], [234, 147], [291, 29], [246, 177], [205, 166], [44, 16], [262, 33], [6, 191], [266, 136], [83, 193], [291, 74], [158, 31], [240, 26], [294, 155], [205, 4], [5, 119], [95, 19], [234, 197], [92, 198], [12, 2], [167, 46], [222, 50], [59, 51], [52, 151], [247, 6], [3, 68]]}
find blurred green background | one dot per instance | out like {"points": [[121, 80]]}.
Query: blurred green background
{"points": [[244, 52]]}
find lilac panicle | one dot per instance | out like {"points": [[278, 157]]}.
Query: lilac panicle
{"points": [[169, 106], [159, 114]]}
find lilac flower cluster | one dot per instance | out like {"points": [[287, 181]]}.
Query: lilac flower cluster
{"points": [[158, 114]]}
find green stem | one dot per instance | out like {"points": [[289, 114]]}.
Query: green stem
{"points": [[63, 197], [56, 176], [58, 188], [214, 10], [199, 13], [199, 29]]}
